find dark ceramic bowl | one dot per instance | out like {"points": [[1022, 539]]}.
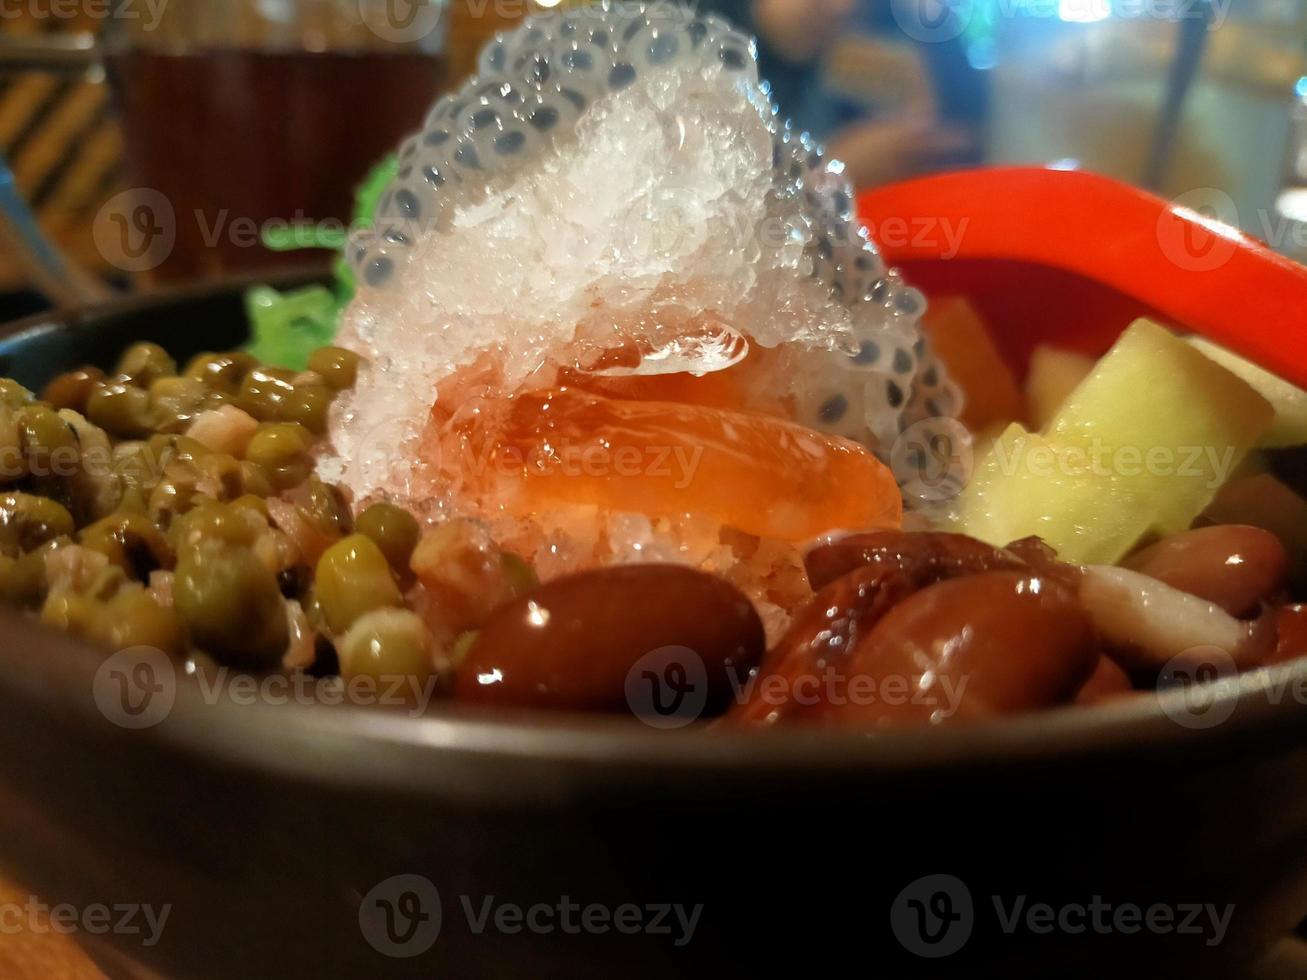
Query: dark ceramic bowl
{"points": [[263, 826]]}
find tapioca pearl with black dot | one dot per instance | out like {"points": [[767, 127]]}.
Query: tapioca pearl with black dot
{"points": [[894, 396], [378, 271], [466, 156], [868, 353], [544, 118], [510, 143], [622, 76], [833, 409], [733, 59]]}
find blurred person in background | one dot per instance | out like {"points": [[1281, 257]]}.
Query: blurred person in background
{"points": [[844, 70]]}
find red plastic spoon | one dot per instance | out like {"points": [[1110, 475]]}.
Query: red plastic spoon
{"points": [[1071, 258]]}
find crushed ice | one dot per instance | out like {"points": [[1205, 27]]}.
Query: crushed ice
{"points": [[616, 178]]}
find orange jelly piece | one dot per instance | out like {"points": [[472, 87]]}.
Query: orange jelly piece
{"points": [[762, 475]]}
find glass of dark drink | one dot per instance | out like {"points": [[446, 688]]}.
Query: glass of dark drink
{"points": [[248, 116]]}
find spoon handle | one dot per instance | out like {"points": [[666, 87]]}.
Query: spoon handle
{"points": [[50, 270]]}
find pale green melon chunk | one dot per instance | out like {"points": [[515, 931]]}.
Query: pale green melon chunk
{"points": [[1138, 450], [1026, 485], [1168, 423]]}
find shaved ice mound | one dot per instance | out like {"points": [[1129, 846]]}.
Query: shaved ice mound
{"points": [[613, 204]]}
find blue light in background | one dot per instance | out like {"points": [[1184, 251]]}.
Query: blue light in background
{"points": [[982, 54], [1083, 11]]}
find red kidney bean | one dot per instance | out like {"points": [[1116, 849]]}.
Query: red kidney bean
{"points": [[1032, 550], [862, 577], [1108, 682], [822, 634], [947, 555], [1233, 565], [961, 650], [1040, 556], [572, 643]]}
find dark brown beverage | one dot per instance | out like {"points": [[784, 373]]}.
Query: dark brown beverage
{"points": [[235, 139]]}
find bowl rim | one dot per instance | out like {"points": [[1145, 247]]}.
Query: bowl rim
{"points": [[85, 316], [489, 756], [522, 756]]}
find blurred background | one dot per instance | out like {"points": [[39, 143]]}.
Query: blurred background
{"points": [[156, 142]]}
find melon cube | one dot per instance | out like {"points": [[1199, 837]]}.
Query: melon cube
{"points": [[1168, 423], [1026, 485]]}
